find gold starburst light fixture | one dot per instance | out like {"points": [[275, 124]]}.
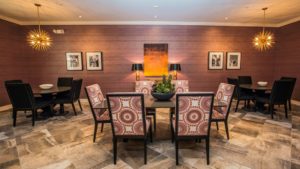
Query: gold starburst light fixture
{"points": [[39, 39], [263, 40]]}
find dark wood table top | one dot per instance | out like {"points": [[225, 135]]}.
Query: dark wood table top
{"points": [[255, 87], [53, 90], [150, 102]]}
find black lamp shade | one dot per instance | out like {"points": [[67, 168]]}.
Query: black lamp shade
{"points": [[136, 67], [175, 67]]}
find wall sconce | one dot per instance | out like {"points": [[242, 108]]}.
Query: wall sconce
{"points": [[137, 68], [175, 68]]}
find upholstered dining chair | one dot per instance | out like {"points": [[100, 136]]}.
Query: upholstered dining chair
{"points": [[220, 114], [128, 119], [145, 87], [181, 85], [291, 89], [192, 120], [95, 97]]}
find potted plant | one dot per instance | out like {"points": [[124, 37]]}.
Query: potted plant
{"points": [[163, 90]]}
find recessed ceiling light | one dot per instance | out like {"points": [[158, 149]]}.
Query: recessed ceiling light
{"points": [[226, 18], [79, 16], [155, 6], [155, 16]]}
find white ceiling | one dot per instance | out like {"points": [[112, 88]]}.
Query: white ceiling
{"points": [[168, 12]]}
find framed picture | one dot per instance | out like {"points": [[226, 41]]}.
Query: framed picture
{"points": [[74, 61], [233, 60], [155, 59], [215, 60], [94, 61]]}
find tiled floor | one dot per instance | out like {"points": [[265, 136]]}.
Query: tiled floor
{"points": [[66, 142]]}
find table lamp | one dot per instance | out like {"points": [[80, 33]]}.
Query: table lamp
{"points": [[137, 68], [175, 68]]}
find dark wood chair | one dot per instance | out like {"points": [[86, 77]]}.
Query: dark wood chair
{"points": [[64, 81], [244, 94], [195, 112], [71, 97], [9, 82], [293, 83], [128, 119], [245, 79], [22, 99], [220, 114], [95, 97], [278, 96]]}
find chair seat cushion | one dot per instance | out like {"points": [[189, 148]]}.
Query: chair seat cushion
{"points": [[262, 99], [217, 115], [102, 116]]}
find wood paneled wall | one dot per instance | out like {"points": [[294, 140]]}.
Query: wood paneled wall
{"points": [[288, 54], [123, 45]]}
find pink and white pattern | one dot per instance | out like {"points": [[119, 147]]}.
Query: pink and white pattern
{"points": [[127, 115], [144, 87], [193, 115], [96, 97], [181, 86], [224, 95]]}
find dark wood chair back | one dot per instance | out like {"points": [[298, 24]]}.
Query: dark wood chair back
{"points": [[64, 81], [76, 89], [279, 94], [293, 83], [21, 95], [245, 79]]}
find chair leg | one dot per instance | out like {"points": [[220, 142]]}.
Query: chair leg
{"points": [[207, 150], [115, 149], [154, 120], [102, 125], [33, 117], [271, 110], [290, 105], [150, 132], [95, 131], [14, 115], [79, 104], [145, 151], [74, 109], [286, 110], [227, 131], [61, 108], [217, 125], [176, 151], [237, 105]]}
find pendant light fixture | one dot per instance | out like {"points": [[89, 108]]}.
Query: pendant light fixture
{"points": [[263, 40], [39, 39]]}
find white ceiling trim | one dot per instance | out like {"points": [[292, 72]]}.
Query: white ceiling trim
{"points": [[149, 23]]}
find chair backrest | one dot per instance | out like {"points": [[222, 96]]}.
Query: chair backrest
{"points": [[234, 81], [95, 96], [181, 85], [9, 82], [21, 95], [64, 81], [76, 86], [279, 94], [144, 86], [127, 114], [245, 79], [193, 113], [293, 83], [225, 94]]}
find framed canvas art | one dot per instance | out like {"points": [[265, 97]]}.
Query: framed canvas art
{"points": [[233, 60], [215, 60], [74, 61], [155, 59], [94, 61]]}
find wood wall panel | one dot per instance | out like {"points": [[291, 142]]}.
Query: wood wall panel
{"points": [[123, 45]]}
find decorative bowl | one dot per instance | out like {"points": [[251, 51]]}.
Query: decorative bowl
{"points": [[162, 96], [46, 86], [260, 83]]}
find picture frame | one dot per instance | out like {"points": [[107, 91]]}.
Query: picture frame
{"points": [[94, 60], [215, 60], [74, 60], [233, 60]]}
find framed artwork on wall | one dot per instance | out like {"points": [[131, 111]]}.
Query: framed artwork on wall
{"points": [[74, 61], [94, 61], [233, 60], [215, 60], [155, 59]]}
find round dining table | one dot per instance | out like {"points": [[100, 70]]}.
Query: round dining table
{"points": [[49, 94]]}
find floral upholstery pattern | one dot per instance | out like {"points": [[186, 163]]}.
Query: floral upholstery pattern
{"points": [[127, 115], [144, 87], [224, 94], [193, 115], [181, 85], [95, 97]]}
